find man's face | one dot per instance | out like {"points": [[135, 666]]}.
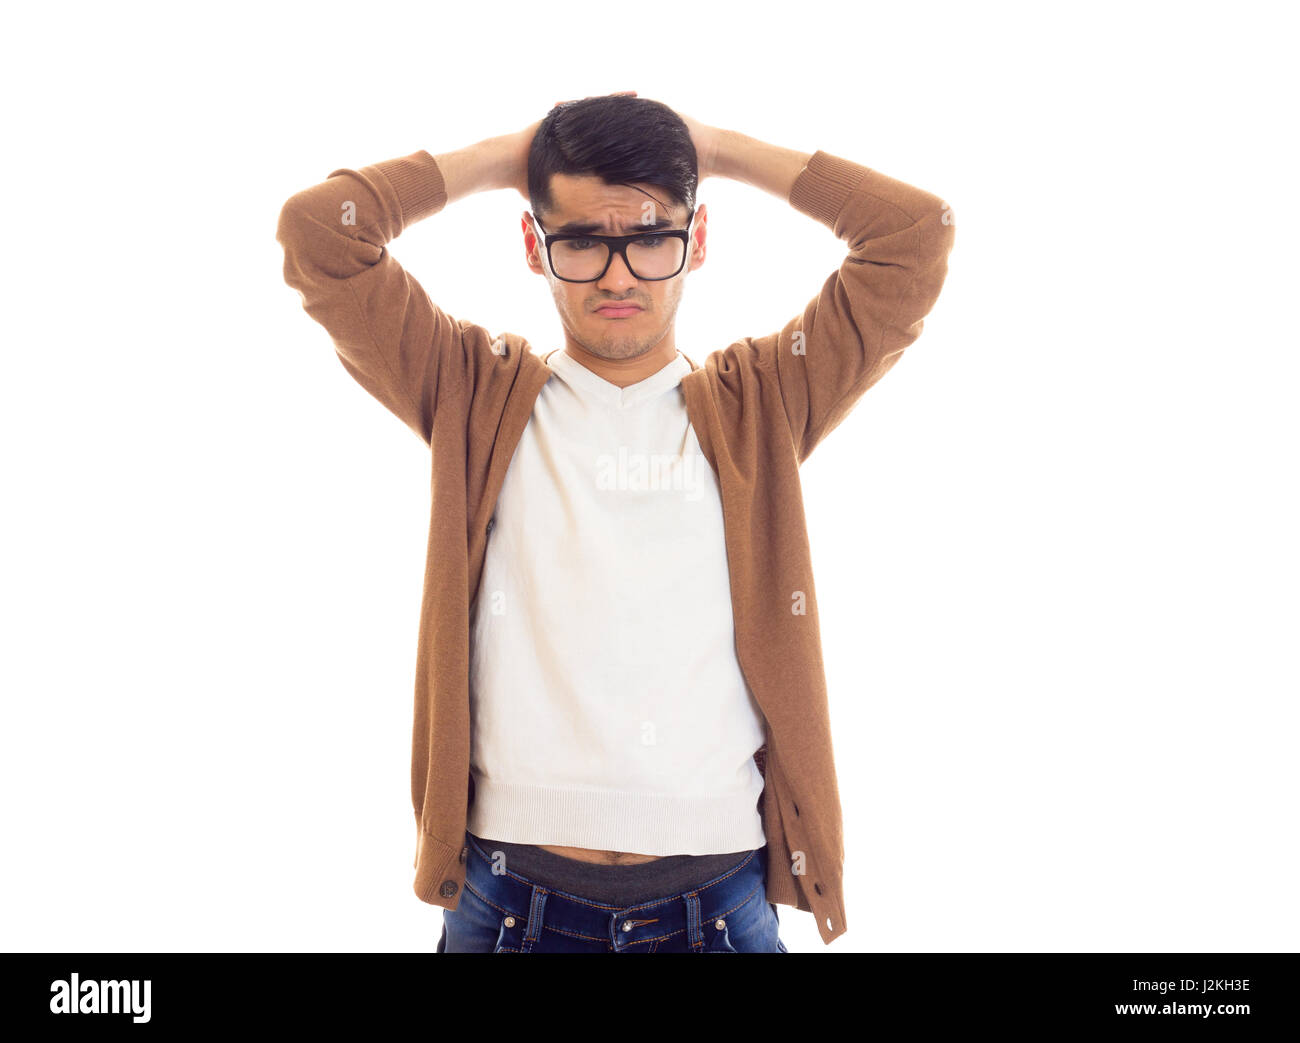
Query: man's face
{"points": [[613, 210]]}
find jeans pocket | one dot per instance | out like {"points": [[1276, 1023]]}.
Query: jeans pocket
{"points": [[720, 942], [477, 925], [752, 926], [509, 935]]}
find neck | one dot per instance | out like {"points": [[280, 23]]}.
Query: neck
{"points": [[625, 372]]}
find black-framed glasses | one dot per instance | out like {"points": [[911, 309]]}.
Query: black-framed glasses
{"points": [[649, 256]]}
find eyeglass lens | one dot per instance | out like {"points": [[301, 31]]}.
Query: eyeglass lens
{"points": [[652, 257]]}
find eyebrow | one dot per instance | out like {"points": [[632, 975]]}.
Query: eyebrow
{"points": [[587, 227]]}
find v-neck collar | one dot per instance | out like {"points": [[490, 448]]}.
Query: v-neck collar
{"points": [[575, 373]]}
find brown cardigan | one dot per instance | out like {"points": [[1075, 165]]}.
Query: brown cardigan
{"points": [[758, 406]]}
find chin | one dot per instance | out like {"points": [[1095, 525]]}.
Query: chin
{"points": [[612, 344], [628, 350]]}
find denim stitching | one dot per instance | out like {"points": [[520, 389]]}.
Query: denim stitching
{"points": [[650, 904]]}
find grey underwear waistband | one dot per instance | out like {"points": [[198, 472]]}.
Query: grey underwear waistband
{"points": [[615, 884]]}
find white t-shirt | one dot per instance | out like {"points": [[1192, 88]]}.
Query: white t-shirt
{"points": [[608, 708]]}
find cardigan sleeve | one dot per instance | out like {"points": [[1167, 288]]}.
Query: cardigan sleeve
{"points": [[867, 311], [388, 334]]}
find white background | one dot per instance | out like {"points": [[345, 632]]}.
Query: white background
{"points": [[1054, 547]]}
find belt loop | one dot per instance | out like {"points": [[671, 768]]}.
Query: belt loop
{"points": [[536, 909], [694, 936]]}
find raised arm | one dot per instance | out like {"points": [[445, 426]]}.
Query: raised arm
{"points": [[396, 343], [871, 308]]}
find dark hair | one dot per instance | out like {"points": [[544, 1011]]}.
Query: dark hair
{"points": [[615, 137]]}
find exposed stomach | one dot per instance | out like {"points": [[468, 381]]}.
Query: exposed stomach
{"points": [[609, 858]]}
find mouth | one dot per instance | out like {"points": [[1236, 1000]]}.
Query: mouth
{"points": [[618, 311]]}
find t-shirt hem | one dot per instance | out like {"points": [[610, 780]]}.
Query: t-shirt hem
{"points": [[616, 820]]}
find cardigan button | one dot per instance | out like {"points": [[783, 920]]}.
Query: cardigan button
{"points": [[491, 523], [463, 853], [448, 888]]}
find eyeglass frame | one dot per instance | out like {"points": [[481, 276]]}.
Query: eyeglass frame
{"points": [[618, 244]]}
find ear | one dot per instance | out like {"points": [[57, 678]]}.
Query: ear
{"points": [[533, 245], [699, 238]]}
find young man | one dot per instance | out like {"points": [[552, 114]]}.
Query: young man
{"points": [[621, 739]]}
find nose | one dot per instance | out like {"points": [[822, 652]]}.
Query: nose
{"points": [[617, 275]]}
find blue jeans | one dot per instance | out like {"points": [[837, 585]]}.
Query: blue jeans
{"points": [[505, 912]]}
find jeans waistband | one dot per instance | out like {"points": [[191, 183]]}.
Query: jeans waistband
{"points": [[687, 911], [616, 884]]}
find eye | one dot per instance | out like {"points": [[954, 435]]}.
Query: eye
{"points": [[652, 240], [581, 244]]}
